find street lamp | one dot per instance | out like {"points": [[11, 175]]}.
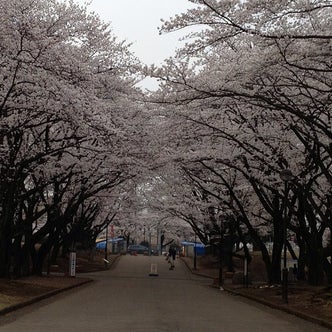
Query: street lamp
{"points": [[286, 176], [144, 233], [106, 246], [221, 281], [220, 266], [195, 253]]}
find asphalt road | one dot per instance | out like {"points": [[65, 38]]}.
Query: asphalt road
{"points": [[126, 298]]}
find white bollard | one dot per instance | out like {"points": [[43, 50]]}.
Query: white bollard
{"points": [[153, 270]]}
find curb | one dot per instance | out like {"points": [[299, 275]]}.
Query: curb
{"points": [[194, 271], [42, 297], [284, 308], [38, 298]]}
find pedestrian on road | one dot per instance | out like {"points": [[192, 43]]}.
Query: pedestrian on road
{"points": [[172, 255]]}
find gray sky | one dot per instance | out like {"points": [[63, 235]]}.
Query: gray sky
{"points": [[137, 21]]}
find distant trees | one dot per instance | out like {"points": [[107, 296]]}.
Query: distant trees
{"points": [[252, 97]]}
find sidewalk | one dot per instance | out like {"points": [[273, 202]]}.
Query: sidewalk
{"points": [[18, 293], [309, 303]]}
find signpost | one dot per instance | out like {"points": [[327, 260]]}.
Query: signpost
{"points": [[72, 264]]}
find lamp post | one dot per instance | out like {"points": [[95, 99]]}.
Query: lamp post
{"points": [[286, 176], [150, 251], [106, 245], [221, 281], [195, 254], [220, 267], [144, 233]]}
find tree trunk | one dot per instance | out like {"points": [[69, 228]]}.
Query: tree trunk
{"points": [[40, 257], [328, 270], [5, 249], [315, 268], [301, 260], [17, 257], [276, 263], [6, 228]]}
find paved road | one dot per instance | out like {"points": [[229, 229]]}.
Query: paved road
{"points": [[127, 299]]}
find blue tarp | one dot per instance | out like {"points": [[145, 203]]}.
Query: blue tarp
{"points": [[102, 244], [198, 244], [200, 247]]}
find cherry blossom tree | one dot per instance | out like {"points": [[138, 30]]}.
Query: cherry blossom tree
{"points": [[67, 136], [253, 88]]}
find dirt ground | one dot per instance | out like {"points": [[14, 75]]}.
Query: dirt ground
{"points": [[17, 292], [314, 303]]}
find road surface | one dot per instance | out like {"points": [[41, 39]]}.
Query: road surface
{"points": [[126, 298]]}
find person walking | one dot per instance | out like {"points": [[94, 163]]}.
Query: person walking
{"points": [[172, 255]]}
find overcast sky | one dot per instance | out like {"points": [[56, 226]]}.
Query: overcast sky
{"points": [[137, 21]]}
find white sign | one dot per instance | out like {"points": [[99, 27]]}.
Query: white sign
{"points": [[72, 264]]}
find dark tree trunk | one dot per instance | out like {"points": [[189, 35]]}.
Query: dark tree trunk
{"points": [[5, 255], [40, 258], [328, 270], [315, 267], [301, 260]]}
